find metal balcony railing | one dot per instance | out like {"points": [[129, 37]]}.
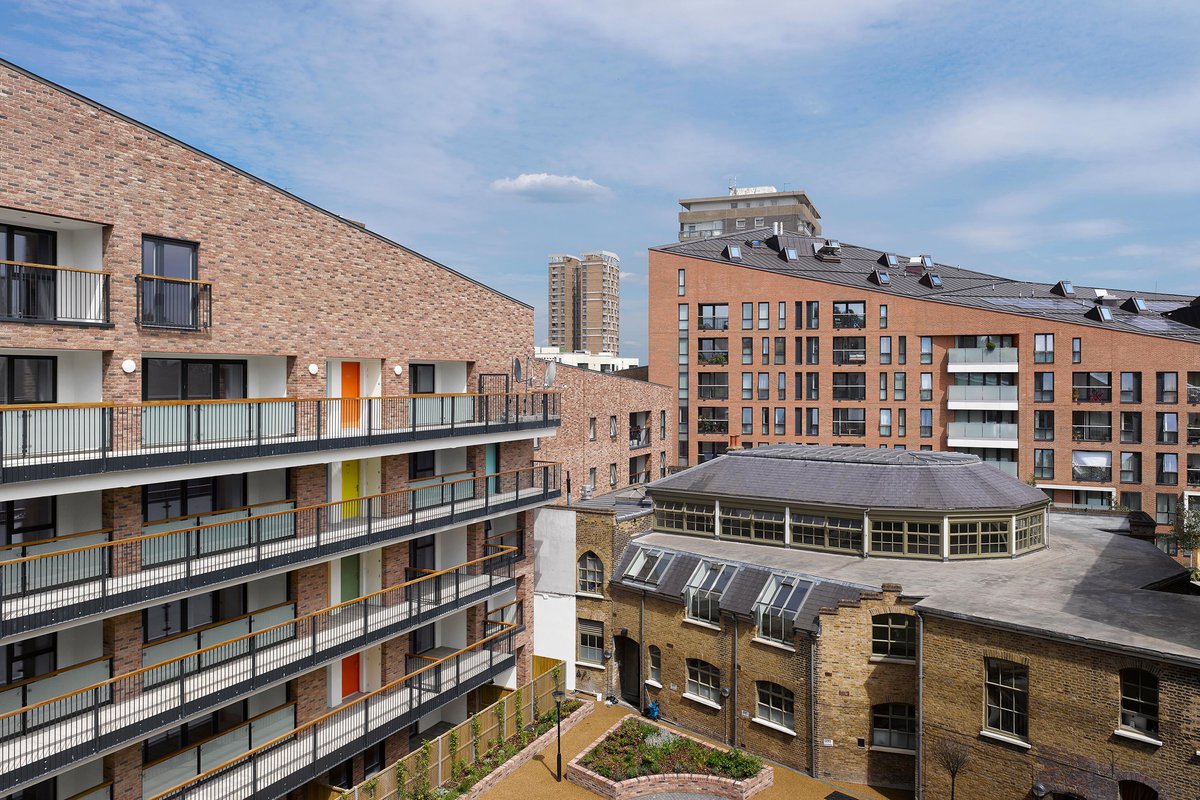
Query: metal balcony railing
{"points": [[50, 440], [302, 755], [173, 303], [981, 394], [1095, 474], [1091, 433], [713, 357], [97, 579], [993, 431], [714, 391], [841, 321], [714, 323], [93, 717], [710, 426], [982, 355], [1091, 394], [639, 438], [45, 293]]}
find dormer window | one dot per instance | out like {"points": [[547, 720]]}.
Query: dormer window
{"points": [[889, 260], [927, 262], [733, 252], [791, 254], [881, 277], [1136, 305], [932, 279], [648, 566], [1102, 313], [828, 250], [1063, 289]]}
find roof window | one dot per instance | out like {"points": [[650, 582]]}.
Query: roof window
{"points": [[927, 262], [881, 277], [889, 260], [790, 254], [1063, 289], [1135, 305], [733, 252], [1102, 313], [932, 279], [648, 565]]}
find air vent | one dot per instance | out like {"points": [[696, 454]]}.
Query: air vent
{"points": [[828, 250], [932, 280], [1135, 305], [733, 252], [881, 277], [1063, 289]]}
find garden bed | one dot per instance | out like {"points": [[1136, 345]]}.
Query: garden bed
{"points": [[635, 758]]}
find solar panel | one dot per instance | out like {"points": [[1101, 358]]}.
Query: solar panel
{"points": [[1156, 324]]}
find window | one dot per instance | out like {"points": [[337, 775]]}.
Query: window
{"points": [[704, 680], [27, 520], [766, 350], [181, 737], [1043, 387], [747, 385], [1007, 697], [1091, 465], [1131, 468], [885, 422], [592, 477], [591, 641], [813, 348], [1030, 532], [834, 533], [592, 429], [682, 282], [899, 388], [747, 420], [926, 422], [849, 350], [1076, 350], [776, 608], [169, 303], [764, 316], [28, 658], [422, 378], [1167, 384], [1164, 508], [1043, 425], [901, 424], [750, 523], [612, 474], [849, 422], [883, 385], [739, 223], [781, 385], [1139, 701], [894, 725], [612, 426], [27, 380], [894, 636], [747, 316], [885, 349], [759, 221], [897, 537], [197, 611], [1131, 427], [766, 421], [655, 664], [812, 385], [849, 386], [902, 350], [193, 379], [776, 705], [780, 350], [747, 349], [591, 573], [648, 565], [1131, 387], [1043, 348], [926, 349], [1091, 387], [1167, 427], [764, 386], [850, 314], [1043, 464], [883, 317], [926, 386], [704, 588], [173, 499], [662, 424], [813, 320], [1166, 471], [813, 426], [979, 538], [780, 421], [782, 315], [683, 316], [1091, 426], [714, 317]]}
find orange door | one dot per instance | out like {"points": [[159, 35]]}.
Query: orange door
{"points": [[350, 393], [350, 679]]}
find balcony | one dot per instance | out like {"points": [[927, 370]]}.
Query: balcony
{"points": [[981, 359], [1096, 474], [1009, 468], [713, 323], [44, 441], [39, 293], [1091, 394], [304, 754], [981, 398], [639, 438], [982, 434], [708, 427], [101, 714], [714, 391], [79, 583], [1091, 433], [713, 357], [177, 304], [41, 699]]}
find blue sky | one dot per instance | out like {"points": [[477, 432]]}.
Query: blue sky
{"points": [[1039, 140]]}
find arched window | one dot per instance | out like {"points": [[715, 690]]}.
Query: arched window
{"points": [[704, 680], [776, 704], [655, 656], [1136, 790], [591, 573], [1139, 701], [894, 636], [894, 725]]}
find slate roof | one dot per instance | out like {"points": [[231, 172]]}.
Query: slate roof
{"points": [[959, 286], [855, 477]]}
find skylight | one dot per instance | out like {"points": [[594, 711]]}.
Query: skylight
{"points": [[890, 260], [882, 277], [1140, 304], [932, 279], [926, 261], [791, 254], [1105, 314], [1063, 288], [648, 566], [735, 252]]}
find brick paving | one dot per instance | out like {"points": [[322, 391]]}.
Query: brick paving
{"points": [[536, 778]]}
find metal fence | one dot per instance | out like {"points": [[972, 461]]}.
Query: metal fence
{"points": [[47, 293]]}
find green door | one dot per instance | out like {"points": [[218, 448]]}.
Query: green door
{"points": [[351, 578]]}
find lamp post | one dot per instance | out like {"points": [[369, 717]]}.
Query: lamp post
{"points": [[559, 696]]}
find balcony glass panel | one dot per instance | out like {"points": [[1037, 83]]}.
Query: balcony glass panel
{"points": [[981, 394], [982, 355], [1004, 431]]}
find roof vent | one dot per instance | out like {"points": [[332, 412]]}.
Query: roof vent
{"points": [[1101, 313], [775, 242], [1063, 289], [932, 280], [881, 277], [733, 252], [828, 250], [1135, 305]]}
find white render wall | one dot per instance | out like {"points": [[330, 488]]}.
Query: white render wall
{"points": [[554, 587]]}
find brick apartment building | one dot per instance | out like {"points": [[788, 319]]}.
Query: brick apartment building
{"points": [[265, 485], [1092, 395], [852, 614], [616, 431]]}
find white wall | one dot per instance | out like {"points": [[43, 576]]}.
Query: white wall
{"points": [[264, 592], [266, 486], [554, 586], [554, 633], [79, 376], [266, 376], [80, 779], [81, 248], [450, 548], [81, 643], [452, 631], [79, 513]]}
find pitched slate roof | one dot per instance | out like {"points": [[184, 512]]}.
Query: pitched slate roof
{"points": [[855, 477], [959, 286]]}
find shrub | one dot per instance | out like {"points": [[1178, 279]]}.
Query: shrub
{"points": [[636, 748]]}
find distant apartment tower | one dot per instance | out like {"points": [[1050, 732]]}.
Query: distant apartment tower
{"points": [[585, 302], [745, 209]]}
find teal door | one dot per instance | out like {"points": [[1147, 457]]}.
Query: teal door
{"points": [[492, 466]]}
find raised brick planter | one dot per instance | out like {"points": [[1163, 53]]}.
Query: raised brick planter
{"points": [[529, 751], [659, 784]]}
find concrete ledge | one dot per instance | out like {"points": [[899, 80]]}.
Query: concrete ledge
{"points": [[646, 785]]}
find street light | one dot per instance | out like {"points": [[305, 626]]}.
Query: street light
{"points": [[559, 696]]}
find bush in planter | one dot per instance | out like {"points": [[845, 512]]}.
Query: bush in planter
{"points": [[636, 748]]}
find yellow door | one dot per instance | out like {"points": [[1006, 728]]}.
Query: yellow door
{"points": [[351, 488]]}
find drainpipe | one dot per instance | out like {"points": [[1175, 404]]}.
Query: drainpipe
{"points": [[920, 702], [734, 674], [812, 696], [642, 692]]}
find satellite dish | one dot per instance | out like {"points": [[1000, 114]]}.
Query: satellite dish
{"points": [[551, 370], [517, 369]]}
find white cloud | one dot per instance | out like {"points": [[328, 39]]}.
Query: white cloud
{"points": [[547, 188], [1023, 234]]}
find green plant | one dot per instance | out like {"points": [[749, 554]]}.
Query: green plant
{"points": [[421, 789], [401, 779], [475, 728], [556, 673], [455, 764], [501, 714], [369, 787], [1187, 524]]}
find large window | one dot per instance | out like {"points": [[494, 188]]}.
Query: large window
{"points": [[1166, 427], [1043, 464], [28, 658], [849, 350], [1091, 387], [27, 379], [713, 386], [1091, 426], [752, 523], [894, 636], [979, 538], [591, 641], [171, 296], [1131, 427], [1043, 387], [197, 611], [591, 573], [849, 422], [714, 317], [1131, 387], [832, 533], [1030, 532], [894, 725], [1139, 701], [195, 497], [777, 606], [1167, 387], [648, 565], [850, 314], [193, 379], [1043, 348], [1043, 425], [1166, 469], [704, 589], [849, 386], [813, 320], [897, 537], [27, 520], [776, 705], [655, 656], [1006, 697], [1091, 465], [747, 316], [704, 680], [926, 349]]}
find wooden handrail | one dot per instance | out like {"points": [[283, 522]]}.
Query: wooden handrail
{"points": [[55, 266], [227, 400], [141, 276], [94, 789], [53, 539], [269, 515], [209, 626], [505, 550], [26, 681], [267, 745]]}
